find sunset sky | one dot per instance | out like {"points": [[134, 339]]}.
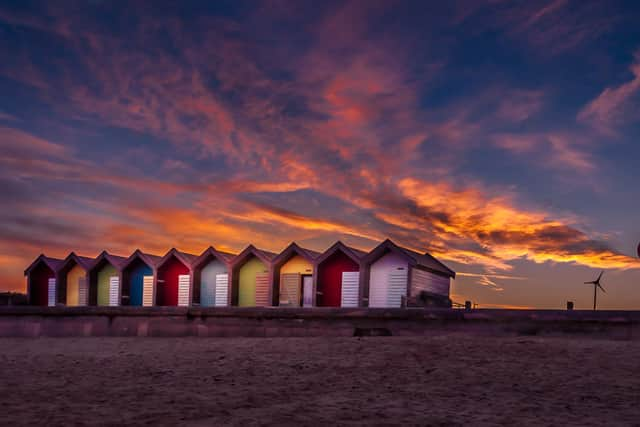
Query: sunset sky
{"points": [[500, 136]]}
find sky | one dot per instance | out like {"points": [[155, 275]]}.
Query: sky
{"points": [[499, 136]]}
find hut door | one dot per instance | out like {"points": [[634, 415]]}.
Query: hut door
{"points": [[51, 294], [307, 291], [350, 286], [222, 290], [397, 287], [147, 291], [114, 290], [262, 289], [83, 291], [290, 289], [183, 290]]}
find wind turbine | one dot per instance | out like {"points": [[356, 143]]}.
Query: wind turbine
{"points": [[596, 284]]}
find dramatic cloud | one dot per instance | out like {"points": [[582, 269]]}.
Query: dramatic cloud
{"points": [[615, 106]]}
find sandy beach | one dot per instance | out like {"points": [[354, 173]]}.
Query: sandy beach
{"points": [[439, 380]]}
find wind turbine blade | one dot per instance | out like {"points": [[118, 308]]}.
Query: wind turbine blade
{"points": [[602, 288], [588, 283], [600, 276]]}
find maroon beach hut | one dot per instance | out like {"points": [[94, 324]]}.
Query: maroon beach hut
{"points": [[337, 276], [41, 280], [174, 279]]}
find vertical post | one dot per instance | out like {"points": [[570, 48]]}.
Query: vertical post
{"points": [[595, 293]]}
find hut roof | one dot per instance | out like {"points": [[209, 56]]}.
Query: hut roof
{"points": [[355, 254], [185, 258], [262, 255], [283, 256], [151, 260], [425, 260], [119, 262], [52, 263], [82, 261], [225, 257]]}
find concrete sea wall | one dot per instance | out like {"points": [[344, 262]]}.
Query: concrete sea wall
{"points": [[300, 322]]}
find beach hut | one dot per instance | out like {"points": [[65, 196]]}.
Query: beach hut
{"points": [[138, 275], [174, 279], [250, 278], [292, 276], [394, 276], [211, 278], [41, 280], [337, 276], [105, 279], [72, 280]]}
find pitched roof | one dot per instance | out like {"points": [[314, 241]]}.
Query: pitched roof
{"points": [[262, 255], [353, 253], [151, 260], [51, 263], [425, 260], [82, 261], [309, 254], [118, 262], [225, 257], [185, 258]]}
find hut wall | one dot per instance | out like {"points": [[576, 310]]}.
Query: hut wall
{"points": [[167, 286], [330, 279], [208, 282], [247, 282], [426, 281], [386, 286], [74, 276], [104, 283], [39, 285], [299, 266]]}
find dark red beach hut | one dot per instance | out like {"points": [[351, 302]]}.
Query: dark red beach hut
{"points": [[40, 275], [337, 276], [174, 282]]}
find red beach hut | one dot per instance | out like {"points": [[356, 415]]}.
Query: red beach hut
{"points": [[41, 280], [174, 279], [337, 277]]}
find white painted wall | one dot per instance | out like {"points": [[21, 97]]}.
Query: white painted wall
{"points": [[380, 272]]}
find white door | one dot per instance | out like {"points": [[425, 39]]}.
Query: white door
{"points": [[397, 287], [147, 291], [222, 290], [183, 290], [114, 291], [307, 291], [262, 290], [83, 292], [350, 287], [51, 292]]}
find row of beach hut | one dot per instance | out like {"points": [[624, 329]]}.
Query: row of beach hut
{"points": [[342, 276]]}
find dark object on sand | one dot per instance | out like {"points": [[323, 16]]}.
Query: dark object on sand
{"points": [[467, 305], [371, 332]]}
